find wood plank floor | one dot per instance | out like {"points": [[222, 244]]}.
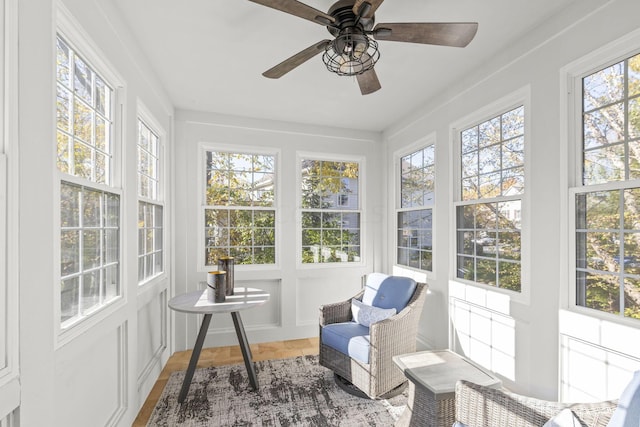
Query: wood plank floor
{"points": [[218, 356]]}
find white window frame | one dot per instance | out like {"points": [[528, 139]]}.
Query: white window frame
{"points": [[202, 188], [571, 141], [331, 157], [520, 97], [429, 140], [75, 36], [148, 120]]}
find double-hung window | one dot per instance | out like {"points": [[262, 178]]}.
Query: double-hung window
{"points": [[607, 203], [415, 214], [488, 213], [150, 207], [89, 203], [330, 211], [240, 207]]}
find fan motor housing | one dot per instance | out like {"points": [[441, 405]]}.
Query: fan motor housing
{"points": [[342, 11]]}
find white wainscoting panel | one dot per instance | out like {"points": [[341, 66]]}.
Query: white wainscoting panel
{"points": [[264, 316], [485, 336], [91, 378], [312, 292], [151, 338], [597, 356]]}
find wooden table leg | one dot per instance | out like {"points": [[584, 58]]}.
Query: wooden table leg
{"points": [[246, 350], [195, 355]]}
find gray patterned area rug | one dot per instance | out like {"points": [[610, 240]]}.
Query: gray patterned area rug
{"points": [[293, 392]]}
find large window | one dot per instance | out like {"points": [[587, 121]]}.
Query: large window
{"points": [[415, 215], [607, 205], [150, 209], [330, 211], [491, 191], [89, 214], [239, 211]]}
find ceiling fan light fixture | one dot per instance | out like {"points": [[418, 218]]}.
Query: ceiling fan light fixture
{"points": [[351, 54]]}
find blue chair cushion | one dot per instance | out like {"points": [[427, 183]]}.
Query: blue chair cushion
{"points": [[388, 291], [627, 414], [349, 338]]}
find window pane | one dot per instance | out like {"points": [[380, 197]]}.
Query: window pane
{"points": [[62, 62], [82, 121], [470, 140], [604, 87], [513, 123], [70, 252], [83, 80], [603, 292], [83, 166], [112, 282], [69, 205], [605, 126], [634, 75], [604, 165], [69, 298], [513, 153], [632, 298], [64, 143], [90, 290], [489, 132], [62, 109], [90, 249]]}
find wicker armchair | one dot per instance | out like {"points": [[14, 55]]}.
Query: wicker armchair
{"points": [[478, 406], [389, 337]]}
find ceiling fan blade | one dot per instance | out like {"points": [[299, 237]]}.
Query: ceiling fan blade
{"points": [[298, 59], [457, 34], [298, 9], [368, 82], [369, 10]]}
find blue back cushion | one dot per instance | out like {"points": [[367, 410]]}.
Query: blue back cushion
{"points": [[388, 291]]}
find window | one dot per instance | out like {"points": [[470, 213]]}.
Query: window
{"points": [[607, 228], [90, 242], [415, 222], [89, 213], [488, 214], [330, 211], [83, 118], [150, 211], [239, 211]]}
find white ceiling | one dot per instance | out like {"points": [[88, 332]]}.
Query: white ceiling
{"points": [[210, 55]]}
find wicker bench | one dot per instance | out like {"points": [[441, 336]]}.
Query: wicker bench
{"points": [[479, 406]]}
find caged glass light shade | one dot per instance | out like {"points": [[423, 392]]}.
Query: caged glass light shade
{"points": [[351, 53]]}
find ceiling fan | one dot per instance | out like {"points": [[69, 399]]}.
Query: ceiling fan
{"points": [[354, 50]]}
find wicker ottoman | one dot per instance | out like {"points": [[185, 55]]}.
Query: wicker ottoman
{"points": [[432, 380]]}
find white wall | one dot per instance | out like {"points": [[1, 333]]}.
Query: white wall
{"points": [[519, 337], [9, 374], [102, 373], [296, 291]]}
